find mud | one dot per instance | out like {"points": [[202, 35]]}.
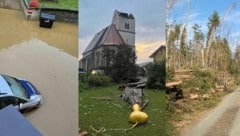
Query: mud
{"points": [[54, 73], [16, 29]]}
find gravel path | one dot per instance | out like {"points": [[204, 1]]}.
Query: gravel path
{"points": [[224, 120]]}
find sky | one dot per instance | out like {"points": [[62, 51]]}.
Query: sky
{"points": [[200, 10], [150, 16]]}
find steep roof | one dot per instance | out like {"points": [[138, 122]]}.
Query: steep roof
{"points": [[111, 36], [107, 36], [156, 51], [94, 41]]}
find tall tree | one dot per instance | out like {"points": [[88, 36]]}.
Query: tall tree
{"points": [[198, 41], [123, 67], [214, 22], [177, 31], [170, 48], [236, 60], [183, 48]]}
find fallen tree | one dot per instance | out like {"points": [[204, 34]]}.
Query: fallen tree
{"points": [[134, 96]]}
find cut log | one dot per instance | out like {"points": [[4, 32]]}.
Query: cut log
{"points": [[172, 84], [183, 71], [219, 88], [143, 85], [205, 96], [136, 84], [194, 96], [183, 76], [213, 90]]}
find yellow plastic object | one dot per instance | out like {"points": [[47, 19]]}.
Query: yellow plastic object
{"points": [[138, 116]]}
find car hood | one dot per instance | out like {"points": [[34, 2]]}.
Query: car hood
{"points": [[30, 88], [4, 87]]}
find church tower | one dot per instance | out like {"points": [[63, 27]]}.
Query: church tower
{"points": [[125, 24]]}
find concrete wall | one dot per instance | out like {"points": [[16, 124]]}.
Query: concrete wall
{"points": [[10, 4], [62, 15]]}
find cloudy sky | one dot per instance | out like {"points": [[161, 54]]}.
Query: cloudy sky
{"points": [[200, 10], [150, 18]]}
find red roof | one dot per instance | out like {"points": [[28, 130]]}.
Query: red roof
{"points": [[111, 36], [107, 36]]}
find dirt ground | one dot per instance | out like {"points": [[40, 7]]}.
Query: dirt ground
{"points": [[48, 58]]}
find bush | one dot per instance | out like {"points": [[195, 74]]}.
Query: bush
{"points": [[82, 77], [202, 82], [98, 80], [157, 76]]}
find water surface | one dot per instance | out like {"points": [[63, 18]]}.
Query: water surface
{"points": [[14, 29]]}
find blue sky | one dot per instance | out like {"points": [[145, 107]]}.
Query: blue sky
{"points": [[201, 10], [150, 18]]}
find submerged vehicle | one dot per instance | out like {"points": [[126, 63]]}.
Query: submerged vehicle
{"points": [[21, 93]]}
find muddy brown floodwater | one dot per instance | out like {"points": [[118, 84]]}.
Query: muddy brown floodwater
{"points": [[54, 73], [48, 58], [14, 28]]}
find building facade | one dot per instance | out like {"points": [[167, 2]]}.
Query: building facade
{"points": [[159, 54], [98, 54]]}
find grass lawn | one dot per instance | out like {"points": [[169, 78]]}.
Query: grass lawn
{"points": [[103, 108], [61, 4]]}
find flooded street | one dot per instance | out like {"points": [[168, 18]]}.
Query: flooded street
{"points": [[47, 58], [54, 73], [16, 29]]}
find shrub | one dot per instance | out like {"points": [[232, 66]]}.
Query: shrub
{"points": [[98, 80], [82, 77], [203, 80], [157, 76]]}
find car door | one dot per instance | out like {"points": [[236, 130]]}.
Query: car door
{"points": [[5, 101]]}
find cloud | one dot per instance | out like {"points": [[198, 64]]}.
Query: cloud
{"points": [[82, 45], [193, 15], [232, 18], [144, 50]]}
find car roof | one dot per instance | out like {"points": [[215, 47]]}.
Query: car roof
{"points": [[4, 87]]}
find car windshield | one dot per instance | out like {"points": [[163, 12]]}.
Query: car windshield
{"points": [[16, 87]]}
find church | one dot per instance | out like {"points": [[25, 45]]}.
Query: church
{"points": [[120, 31]]}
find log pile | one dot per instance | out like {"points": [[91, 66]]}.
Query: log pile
{"points": [[182, 75]]}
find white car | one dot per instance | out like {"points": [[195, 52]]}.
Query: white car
{"points": [[19, 92]]}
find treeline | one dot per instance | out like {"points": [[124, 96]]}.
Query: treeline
{"points": [[209, 50]]}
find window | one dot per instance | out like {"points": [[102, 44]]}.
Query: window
{"points": [[16, 87], [8, 100], [126, 25], [98, 59]]}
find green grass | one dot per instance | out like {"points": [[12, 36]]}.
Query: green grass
{"points": [[112, 113], [61, 4]]}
